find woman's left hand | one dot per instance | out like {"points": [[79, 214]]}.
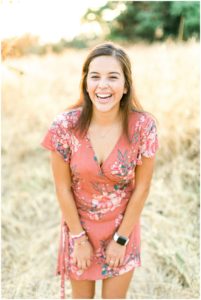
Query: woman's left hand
{"points": [[115, 254]]}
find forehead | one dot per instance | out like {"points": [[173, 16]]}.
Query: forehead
{"points": [[105, 64]]}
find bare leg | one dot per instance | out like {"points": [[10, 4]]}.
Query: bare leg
{"points": [[83, 289], [116, 287]]}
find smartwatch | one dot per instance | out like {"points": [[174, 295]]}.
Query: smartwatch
{"points": [[121, 240]]}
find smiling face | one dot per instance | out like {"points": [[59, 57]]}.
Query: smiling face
{"points": [[105, 83]]}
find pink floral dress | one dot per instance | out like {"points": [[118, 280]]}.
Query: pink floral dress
{"points": [[101, 193]]}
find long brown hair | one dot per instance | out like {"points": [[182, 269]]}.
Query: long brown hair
{"points": [[129, 100]]}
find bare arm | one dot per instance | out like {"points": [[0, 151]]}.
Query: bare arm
{"points": [[82, 253], [115, 253], [135, 206], [62, 179]]}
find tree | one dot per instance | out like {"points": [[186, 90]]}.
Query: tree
{"points": [[148, 20], [188, 15]]}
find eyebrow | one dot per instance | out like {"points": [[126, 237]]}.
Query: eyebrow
{"points": [[108, 73]]}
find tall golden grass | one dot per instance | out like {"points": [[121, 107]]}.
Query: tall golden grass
{"points": [[166, 78]]}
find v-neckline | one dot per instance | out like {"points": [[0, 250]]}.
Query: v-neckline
{"points": [[100, 166]]}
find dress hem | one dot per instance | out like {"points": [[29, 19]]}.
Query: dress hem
{"points": [[68, 277]]}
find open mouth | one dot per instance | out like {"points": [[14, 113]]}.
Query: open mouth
{"points": [[103, 98]]}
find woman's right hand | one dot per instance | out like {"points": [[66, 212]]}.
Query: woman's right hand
{"points": [[82, 253]]}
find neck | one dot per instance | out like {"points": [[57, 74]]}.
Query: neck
{"points": [[106, 118]]}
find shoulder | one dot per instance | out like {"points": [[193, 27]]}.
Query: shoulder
{"points": [[140, 119], [141, 124], [67, 119]]}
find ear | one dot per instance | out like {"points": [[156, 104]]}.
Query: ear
{"points": [[125, 90]]}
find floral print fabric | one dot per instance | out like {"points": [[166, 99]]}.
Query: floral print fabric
{"points": [[101, 193]]}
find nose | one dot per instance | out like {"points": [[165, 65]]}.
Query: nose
{"points": [[103, 83]]}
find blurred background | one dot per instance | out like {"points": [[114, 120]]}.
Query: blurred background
{"points": [[43, 46]]}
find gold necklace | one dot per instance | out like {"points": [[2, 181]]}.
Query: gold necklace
{"points": [[102, 135]]}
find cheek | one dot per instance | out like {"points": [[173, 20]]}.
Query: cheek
{"points": [[91, 86], [119, 88]]}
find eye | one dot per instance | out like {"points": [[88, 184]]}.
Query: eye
{"points": [[113, 77], [94, 77]]}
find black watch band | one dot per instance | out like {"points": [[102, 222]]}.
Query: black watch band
{"points": [[121, 240]]}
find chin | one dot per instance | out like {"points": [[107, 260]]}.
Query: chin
{"points": [[104, 108]]}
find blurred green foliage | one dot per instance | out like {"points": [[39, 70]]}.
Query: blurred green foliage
{"points": [[128, 21], [149, 20]]}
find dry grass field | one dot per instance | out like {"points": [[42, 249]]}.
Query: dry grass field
{"points": [[34, 90]]}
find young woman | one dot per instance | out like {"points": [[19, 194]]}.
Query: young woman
{"points": [[102, 156]]}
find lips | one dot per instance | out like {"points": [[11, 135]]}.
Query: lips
{"points": [[103, 98]]}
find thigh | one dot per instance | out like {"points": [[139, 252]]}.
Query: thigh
{"points": [[116, 287], [83, 289]]}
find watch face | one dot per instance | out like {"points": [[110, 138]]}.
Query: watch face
{"points": [[121, 240]]}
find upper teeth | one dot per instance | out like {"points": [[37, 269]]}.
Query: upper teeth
{"points": [[103, 95]]}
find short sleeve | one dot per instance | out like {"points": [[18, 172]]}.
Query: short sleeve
{"points": [[58, 137], [148, 139]]}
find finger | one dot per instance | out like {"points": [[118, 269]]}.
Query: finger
{"points": [[83, 264], [112, 262], [88, 263], [79, 264], [116, 263], [74, 261], [108, 259], [121, 261]]}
